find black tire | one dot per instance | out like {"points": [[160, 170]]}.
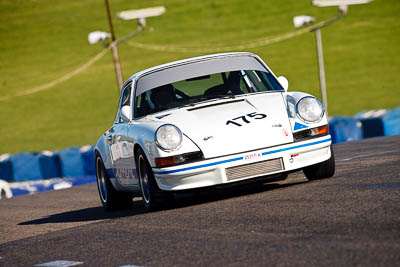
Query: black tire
{"points": [[110, 198], [153, 197], [321, 170]]}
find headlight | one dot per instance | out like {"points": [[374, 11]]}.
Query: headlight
{"points": [[310, 109], [168, 137]]}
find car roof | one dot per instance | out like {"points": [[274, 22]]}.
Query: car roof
{"points": [[193, 67], [189, 60]]}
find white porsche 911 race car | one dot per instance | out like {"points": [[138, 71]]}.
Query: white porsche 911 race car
{"points": [[208, 121]]}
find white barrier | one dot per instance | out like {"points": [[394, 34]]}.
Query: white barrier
{"points": [[5, 190]]}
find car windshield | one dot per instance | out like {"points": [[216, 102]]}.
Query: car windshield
{"points": [[204, 88]]}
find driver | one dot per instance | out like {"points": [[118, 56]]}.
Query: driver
{"points": [[162, 96]]}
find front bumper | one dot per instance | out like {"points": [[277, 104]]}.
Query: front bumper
{"points": [[238, 167]]}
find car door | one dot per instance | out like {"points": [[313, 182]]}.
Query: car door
{"points": [[132, 135], [121, 150]]}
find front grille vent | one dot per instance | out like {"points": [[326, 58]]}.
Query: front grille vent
{"points": [[193, 156], [302, 135], [254, 169]]}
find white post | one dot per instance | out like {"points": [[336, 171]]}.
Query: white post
{"points": [[321, 69], [117, 65]]}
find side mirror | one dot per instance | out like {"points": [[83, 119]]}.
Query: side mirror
{"points": [[125, 113], [284, 82]]}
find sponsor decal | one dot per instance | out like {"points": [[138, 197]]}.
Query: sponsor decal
{"points": [[163, 116], [208, 138], [298, 126], [125, 174]]}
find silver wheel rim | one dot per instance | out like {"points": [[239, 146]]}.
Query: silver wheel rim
{"points": [[144, 179], [101, 180]]}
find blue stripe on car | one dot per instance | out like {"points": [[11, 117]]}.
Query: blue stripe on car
{"points": [[240, 158], [294, 147], [200, 166]]}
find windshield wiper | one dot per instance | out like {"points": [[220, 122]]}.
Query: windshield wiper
{"points": [[204, 98]]}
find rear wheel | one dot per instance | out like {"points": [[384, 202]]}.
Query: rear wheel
{"points": [[153, 197], [321, 170], [110, 198]]}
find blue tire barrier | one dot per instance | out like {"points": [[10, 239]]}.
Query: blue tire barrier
{"points": [[71, 162], [50, 164], [372, 127], [87, 153], [343, 129], [366, 114], [6, 169], [391, 122], [26, 167]]}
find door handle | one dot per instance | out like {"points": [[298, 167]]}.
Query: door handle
{"points": [[109, 137]]}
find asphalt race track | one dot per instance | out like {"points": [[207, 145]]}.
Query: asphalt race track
{"points": [[350, 219]]}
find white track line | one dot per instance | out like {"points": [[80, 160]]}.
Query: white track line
{"points": [[59, 264], [71, 74], [67, 76]]}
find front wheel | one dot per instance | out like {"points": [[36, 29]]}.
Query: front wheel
{"points": [[321, 170], [152, 196], [110, 198]]}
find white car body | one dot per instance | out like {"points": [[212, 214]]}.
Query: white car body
{"points": [[224, 140]]}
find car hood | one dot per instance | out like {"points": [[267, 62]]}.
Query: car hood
{"points": [[230, 126]]}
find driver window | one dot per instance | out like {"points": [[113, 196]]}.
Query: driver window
{"points": [[125, 100]]}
